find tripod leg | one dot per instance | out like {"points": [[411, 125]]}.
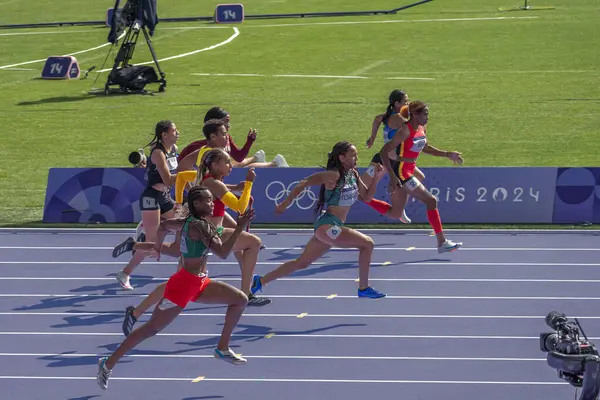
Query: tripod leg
{"points": [[162, 80], [124, 55]]}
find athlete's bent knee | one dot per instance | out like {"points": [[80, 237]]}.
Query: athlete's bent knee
{"points": [[256, 241], [431, 202], [241, 299], [368, 244]]}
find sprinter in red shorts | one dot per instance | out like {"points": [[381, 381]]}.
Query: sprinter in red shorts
{"points": [[409, 142], [189, 284]]}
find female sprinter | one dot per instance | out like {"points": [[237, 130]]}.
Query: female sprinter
{"points": [[340, 188], [216, 165], [199, 236], [409, 142], [155, 201], [393, 119]]}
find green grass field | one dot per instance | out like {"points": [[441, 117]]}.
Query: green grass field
{"points": [[505, 88]]}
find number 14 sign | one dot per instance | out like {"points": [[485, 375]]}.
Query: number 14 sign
{"points": [[229, 13]]}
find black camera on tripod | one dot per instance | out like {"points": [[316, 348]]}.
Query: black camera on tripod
{"points": [[137, 16], [575, 358]]}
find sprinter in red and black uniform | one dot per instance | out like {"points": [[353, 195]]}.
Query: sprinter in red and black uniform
{"points": [[409, 142]]}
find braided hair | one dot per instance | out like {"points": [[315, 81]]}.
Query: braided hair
{"points": [[207, 159], [334, 163], [396, 95], [195, 193]]}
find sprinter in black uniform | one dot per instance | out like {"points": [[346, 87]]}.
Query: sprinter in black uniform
{"points": [[156, 202]]}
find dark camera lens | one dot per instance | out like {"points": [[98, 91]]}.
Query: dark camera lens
{"points": [[135, 157], [555, 319]]}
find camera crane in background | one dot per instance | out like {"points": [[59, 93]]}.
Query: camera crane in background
{"points": [[135, 17]]}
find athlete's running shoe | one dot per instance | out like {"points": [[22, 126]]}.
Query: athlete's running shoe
{"points": [[404, 218], [103, 373], [254, 300], [123, 247], [370, 293], [448, 246], [129, 320], [229, 356], [256, 284], [123, 280]]}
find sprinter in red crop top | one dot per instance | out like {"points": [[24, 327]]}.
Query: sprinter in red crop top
{"points": [[409, 142]]}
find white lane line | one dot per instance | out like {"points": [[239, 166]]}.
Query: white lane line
{"points": [[308, 315], [282, 380], [280, 335], [236, 33], [322, 296], [404, 264], [69, 54], [278, 357], [412, 248], [113, 231], [494, 280]]}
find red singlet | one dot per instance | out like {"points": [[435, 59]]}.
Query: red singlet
{"points": [[411, 148], [219, 210]]}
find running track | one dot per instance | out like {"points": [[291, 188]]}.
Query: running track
{"points": [[457, 326]]}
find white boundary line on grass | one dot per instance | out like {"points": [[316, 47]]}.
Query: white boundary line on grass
{"points": [[236, 33], [69, 54], [392, 21], [331, 83], [250, 26]]}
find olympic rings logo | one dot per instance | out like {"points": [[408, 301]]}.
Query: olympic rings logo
{"points": [[305, 200]]}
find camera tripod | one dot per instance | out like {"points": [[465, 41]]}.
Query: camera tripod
{"points": [[122, 67]]}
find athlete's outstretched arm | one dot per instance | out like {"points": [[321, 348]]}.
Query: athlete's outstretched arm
{"points": [[368, 192], [327, 178], [455, 156], [166, 226], [204, 231], [374, 129]]}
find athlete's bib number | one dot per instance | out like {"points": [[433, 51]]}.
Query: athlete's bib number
{"points": [[334, 232], [418, 144], [412, 183], [371, 171], [172, 162]]}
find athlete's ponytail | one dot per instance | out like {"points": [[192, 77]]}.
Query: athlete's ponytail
{"points": [[395, 96], [161, 127], [333, 162]]}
